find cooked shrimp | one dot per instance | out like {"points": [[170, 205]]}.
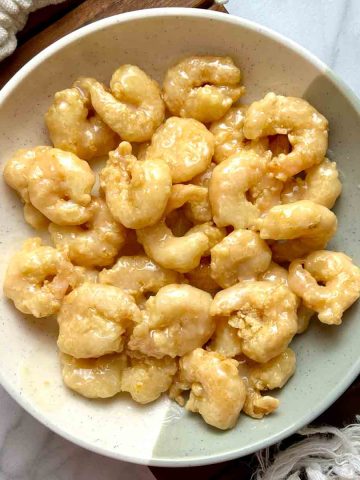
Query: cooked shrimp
{"points": [[34, 218], [203, 88], [136, 192], [194, 197], [225, 339]]}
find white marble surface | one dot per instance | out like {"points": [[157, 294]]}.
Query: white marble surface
{"points": [[28, 451]]}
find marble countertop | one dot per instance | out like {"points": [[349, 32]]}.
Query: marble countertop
{"points": [[28, 450]]}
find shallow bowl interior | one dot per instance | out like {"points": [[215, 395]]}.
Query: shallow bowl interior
{"points": [[162, 433]]}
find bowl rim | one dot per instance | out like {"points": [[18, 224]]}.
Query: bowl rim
{"points": [[344, 382]]}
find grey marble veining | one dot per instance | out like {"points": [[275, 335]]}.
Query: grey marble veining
{"points": [[28, 450]]}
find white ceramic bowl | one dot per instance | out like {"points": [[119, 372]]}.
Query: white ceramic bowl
{"points": [[162, 433]]}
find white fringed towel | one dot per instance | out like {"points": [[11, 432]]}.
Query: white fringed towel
{"points": [[13, 16]]}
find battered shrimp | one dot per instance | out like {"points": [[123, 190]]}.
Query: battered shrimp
{"points": [[194, 197], [213, 233], [328, 282], [59, 185], [136, 192], [94, 244], [147, 378], [175, 321], [37, 278], [263, 312], [83, 275], [217, 391], [75, 127], [203, 88], [185, 144], [266, 193], [201, 278], [16, 170], [94, 319], [177, 253], [34, 218], [300, 226], [225, 339], [93, 377], [306, 128], [133, 108], [230, 182], [321, 185], [242, 255], [273, 374], [139, 275]]}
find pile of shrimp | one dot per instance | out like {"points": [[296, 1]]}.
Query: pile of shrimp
{"points": [[201, 254]]}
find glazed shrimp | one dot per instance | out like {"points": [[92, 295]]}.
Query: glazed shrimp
{"points": [[340, 286], [300, 226], [185, 144], [242, 255], [229, 184], [217, 391], [203, 88], [60, 185], [37, 278], [263, 312], [321, 185], [133, 108], [73, 125], [136, 192], [94, 244], [306, 128], [195, 197], [225, 339], [93, 320], [175, 321]]}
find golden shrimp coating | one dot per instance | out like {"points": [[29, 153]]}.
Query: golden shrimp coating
{"points": [[194, 198], [242, 255], [175, 321], [264, 314], [257, 405], [82, 275], [147, 378], [229, 184], [185, 144], [321, 185], [37, 278], [16, 170], [202, 87], [213, 233], [136, 192], [306, 128], [34, 218], [217, 391], [138, 275], [304, 315], [266, 193], [94, 244], [181, 254], [274, 373], [93, 377], [328, 283], [59, 186], [201, 278], [301, 227], [75, 127], [133, 108], [225, 339], [93, 320]]}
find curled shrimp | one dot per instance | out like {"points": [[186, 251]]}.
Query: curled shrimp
{"points": [[146, 378], [264, 314], [93, 320], [136, 192], [321, 185], [133, 108], [185, 144], [225, 339], [37, 278], [217, 391], [95, 243], [203, 88], [59, 186], [196, 201], [306, 128], [242, 255], [300, 227], [328, 282], [175, 321], [229, 184], [93, 377], [138, 275], [73, 125]]}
